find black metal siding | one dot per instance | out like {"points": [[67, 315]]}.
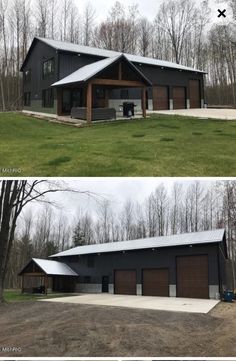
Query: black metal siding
{"points": [[40, 53], [105, 264], [70, 62]]}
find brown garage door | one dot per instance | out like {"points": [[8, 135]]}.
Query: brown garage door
{"points": [[160, 98], [125, 282], [194, 93], [179, 97], [192, 276], [156, 282]]}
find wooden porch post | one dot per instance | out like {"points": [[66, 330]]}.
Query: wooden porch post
{"points": [[120, 71], [89, 103], [46, 284], [22, 284], [59, 101], [144, 101]]}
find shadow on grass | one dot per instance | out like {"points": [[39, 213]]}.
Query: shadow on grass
{"points": [[59, 160]]}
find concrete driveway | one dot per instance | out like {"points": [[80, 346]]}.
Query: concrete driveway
{"points": [[226, 114], [191, 305]]}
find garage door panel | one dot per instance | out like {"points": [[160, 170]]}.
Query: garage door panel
{"points": [[192, 276], [160, 98], [179, 97], [156, 282], [125, 282], [194, 93]]}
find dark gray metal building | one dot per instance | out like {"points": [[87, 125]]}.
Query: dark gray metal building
{"points": [[168, 86], [186, 265]]}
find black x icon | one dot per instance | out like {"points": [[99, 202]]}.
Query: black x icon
{"points": [[221, 13]]}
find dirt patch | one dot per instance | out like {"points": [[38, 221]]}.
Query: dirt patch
{"points": [[46, 329]]}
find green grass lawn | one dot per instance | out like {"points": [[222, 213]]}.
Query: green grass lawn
{"points": [[16, 296], [157, 146]]}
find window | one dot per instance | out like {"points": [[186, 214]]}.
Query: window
{"points": [[27, 99], [47, 98], [90, 261], [124, 94], [100, 93], [27, 75], [48, 68]]}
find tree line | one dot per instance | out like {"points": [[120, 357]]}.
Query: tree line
{"points": [[185, 208], [178, 33]]}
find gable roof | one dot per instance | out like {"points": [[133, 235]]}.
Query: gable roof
{"points": [[89, 71], [52, 267], [212, 236], [104, 53]]}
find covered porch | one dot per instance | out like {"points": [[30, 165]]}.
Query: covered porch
{"points": [[43, 276], [86, 93]]}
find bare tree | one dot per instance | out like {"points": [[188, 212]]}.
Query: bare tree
{"points": [[14, 196], [176, 18], [89, 15]]}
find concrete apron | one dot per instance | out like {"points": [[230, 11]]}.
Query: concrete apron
{"points": [[191, 305], [226, 114]]}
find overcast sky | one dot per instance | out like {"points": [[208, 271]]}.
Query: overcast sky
{"points": [[147, 8], [117, 190]]}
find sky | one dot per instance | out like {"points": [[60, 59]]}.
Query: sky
{"points": [[117, 190], [148, 8]]}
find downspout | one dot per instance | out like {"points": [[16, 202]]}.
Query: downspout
{"points": [[219, 270]]}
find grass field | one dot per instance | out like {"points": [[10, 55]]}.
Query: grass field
{"points": [[16, 296], [157, 146]]}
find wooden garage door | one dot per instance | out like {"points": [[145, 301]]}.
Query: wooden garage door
{"points": [[160, 98], [192, 276], [194, 93], [179, 97], [125, 282], [156, 282]]}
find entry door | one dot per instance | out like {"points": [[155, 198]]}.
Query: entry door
{"points": [[76, 98], [105, 283], [66, 101], [125, 282], [192, 276], [156, 282]]}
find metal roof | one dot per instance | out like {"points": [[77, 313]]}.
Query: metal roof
{"points": [[204, 237], [89, 71], [54, 267], [75, 48]]}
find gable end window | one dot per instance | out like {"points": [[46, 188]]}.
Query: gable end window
{"points": [[47, 98], [48, 68], [27, 99]]}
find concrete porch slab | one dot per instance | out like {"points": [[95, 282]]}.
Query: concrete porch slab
{"points": [[225, 114], [144, 302]]}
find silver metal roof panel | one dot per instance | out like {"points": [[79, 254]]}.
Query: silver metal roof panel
{"points": [[66, 46], [54, 267], [204, 237]]}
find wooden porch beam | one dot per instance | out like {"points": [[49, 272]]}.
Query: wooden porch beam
{"points": [[114, 82], [89, 102], [36, 274]]}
